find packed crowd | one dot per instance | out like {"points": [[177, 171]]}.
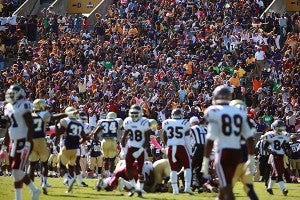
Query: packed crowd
{"points": [[159, 54]]}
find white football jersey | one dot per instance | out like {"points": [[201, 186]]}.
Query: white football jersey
{"points": [[226, 125], [136, 131], [277, 141], [18, 128], [175, 130]]}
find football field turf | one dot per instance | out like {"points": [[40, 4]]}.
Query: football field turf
{"points": [[57, 192]]}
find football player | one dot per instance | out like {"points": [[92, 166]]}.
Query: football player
{"points": [[243, 173], [226, 125], [40, 151], [176, 135], [161, 176], [96, 158], [107, 129], [136, 137], [276, 141], [83, 118], [294, 156], [19, 135], [74, 135]]}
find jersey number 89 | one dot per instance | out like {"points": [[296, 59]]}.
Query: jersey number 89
{"points": [[230, 124]]}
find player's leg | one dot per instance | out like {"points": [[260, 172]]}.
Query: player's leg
{"points": [[71, 155], [279, 167], [226, 165], [43, 152]]}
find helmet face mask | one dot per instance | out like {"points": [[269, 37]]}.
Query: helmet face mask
{"points": [[222, 95], [14, 93], [135, 112]]}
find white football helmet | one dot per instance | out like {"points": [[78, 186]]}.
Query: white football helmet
{"points": [[222, 95], [278, 126], [83, 116], [135, 112], [71, 112], [14, 93], [111, 115], [39, 105], [177, 113]]}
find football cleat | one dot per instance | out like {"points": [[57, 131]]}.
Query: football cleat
{"points": [[285, 192], [270, 191], [83, 184], [189, 191], [131, 192]]}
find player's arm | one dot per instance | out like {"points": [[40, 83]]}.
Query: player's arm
{"points": [[124, 138], [57, 117], [61, 128], [96, 130], [6, 137], [187, 139], [147, 139], [29, 123], [83, 137]]}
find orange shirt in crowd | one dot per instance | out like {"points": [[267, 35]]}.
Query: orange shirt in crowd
{"points": [[256, 84]]}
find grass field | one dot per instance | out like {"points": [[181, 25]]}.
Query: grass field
{"points": [[57, 192]]}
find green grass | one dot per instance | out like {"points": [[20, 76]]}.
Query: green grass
{"points": [[57, 192]]}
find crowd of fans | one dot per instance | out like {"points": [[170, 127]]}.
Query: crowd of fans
{"points": [[160, 55]]}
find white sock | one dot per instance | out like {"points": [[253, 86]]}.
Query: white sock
{"points": [[281, 185], [271, 183], [18, 193], [187, 178], [79, 177], [71, 181], [32, 186]]}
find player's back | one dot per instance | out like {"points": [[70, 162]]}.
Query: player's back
{"points": [[74, 129], [109, 128], [40, 120], [226, 125], [136, 131], [175, 130], [18, 128]]}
